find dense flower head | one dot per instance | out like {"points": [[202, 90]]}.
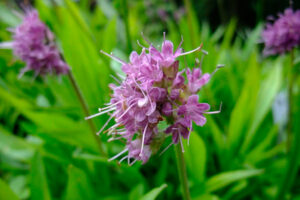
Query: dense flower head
{"points": [[34, 43], [284, 34], [154, 90]]}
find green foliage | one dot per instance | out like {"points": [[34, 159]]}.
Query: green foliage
{"points": [[47, 152]]}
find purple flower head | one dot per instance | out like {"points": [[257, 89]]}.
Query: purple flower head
{"points": [[34, 43], [284, 34], [153, 90]]}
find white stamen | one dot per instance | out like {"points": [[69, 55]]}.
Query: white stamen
{"points": [[106, 108], [130, 164], [121, 76], [126, 111], [179, 44], [92, 116], [204, 52], [109, 104], [117, 80], [114, 57], [100, 113], [112, 129], [192, 51], [191, 126], [219, 66], [116, 156], [145, 39], [182, 149], [143, 140], [215, 112], [138, 42], [114, 138], [122, 159], [163, 151], [202, 57], [106, 123]]}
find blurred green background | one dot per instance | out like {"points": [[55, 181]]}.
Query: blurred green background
{"points": [[47, 150]]}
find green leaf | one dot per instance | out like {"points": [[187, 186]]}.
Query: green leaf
{"points": [[6, 193], [19, 184], [206, 197], [111, 33], [224, 179], [258, 151], [244, 108], [89, 157], [38, 183], [136, 192], [152, 195], [79, 186], [74, 11], [266, 95], [15, 147]]}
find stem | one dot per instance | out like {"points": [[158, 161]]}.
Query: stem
{"points": [[86, 112], [291, 82], [293, 141], [182, 172]]}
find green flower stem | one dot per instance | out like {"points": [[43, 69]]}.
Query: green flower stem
{"points": [[293, 141], [86, 112], [291, 82], [182, 172]]}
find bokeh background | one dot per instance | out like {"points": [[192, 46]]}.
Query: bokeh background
{"points": [[47, 150]]}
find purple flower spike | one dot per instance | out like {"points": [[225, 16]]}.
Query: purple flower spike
{"points": [[284, 34], [34, 43], [154, 91]]}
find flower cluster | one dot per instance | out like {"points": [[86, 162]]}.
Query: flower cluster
{"points": [[154, 90], [34, 43], [284, 34]]}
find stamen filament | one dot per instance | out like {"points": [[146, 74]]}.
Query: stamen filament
{"points": [[106, 123], [116, 156], [114, 57], [192, 51], [163, 151], [143, 140]]}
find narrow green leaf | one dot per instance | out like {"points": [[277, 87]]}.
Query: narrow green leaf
{"points": [[152, 195], [38, 183], [266, 95], [73, 9], [6, 193], [224, 179], [90, 157], [206, 197], [136, 192], [244, 108], [79, 186], [15, 147]]}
